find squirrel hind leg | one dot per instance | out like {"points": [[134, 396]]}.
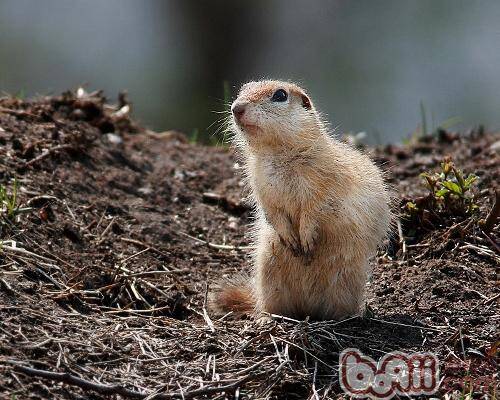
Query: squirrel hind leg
{"points": [[235, 295]]}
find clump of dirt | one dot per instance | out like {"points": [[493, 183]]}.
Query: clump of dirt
{"points": [[120, 232]]}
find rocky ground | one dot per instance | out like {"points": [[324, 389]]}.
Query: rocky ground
{"points": [[117, 233]]}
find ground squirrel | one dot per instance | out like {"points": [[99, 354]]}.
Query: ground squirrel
{"points": [[321, 209]]}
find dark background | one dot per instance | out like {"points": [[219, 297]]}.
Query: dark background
{"points": [[369, 65]]}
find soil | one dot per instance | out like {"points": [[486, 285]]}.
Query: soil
{"points": [[121, 232]]}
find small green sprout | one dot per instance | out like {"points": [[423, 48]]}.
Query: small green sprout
{"points": [[450, 193], [10, 210], [450, 189], [194, 137], [411, 207], [8, 202]]}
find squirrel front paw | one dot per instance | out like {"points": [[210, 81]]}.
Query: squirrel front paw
{"points": [[282, 225], [300, 247], [308, 236], [308, 240], [292, 242]]}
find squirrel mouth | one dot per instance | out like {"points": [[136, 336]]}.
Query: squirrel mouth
{"points": [[248, 128]]}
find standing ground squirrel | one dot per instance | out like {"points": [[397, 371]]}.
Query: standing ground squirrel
{"points": [[321, 207]]}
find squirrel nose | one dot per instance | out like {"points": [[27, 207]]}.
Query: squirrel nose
{"points": [[238, 109]]}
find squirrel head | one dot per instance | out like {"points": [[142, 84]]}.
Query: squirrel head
{"points": [[274, 115]]}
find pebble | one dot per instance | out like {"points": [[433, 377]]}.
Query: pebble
{"points": [[113, 138], [495, 146]]}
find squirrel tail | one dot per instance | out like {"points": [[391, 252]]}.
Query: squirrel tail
{"points": [[235, 295]]}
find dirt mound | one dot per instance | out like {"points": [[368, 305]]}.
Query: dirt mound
{"points": [[118, 233]]}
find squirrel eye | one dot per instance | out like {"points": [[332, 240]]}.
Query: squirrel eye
{"points": [[279, 96]]}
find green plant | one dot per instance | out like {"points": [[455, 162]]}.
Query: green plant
{"points": [[194, 137], [8, 202], [423, 119], [423, 129], [226, 87], [218, 137], [450, 193], [21, 94], [451, 190], [9, 207]]}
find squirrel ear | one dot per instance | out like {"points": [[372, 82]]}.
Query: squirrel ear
{"points": [[306, 103]]}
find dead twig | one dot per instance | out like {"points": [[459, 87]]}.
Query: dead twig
{"points": [[25, 252], [217, 246], [17, 113], [490, 300], [226, 204], [206, 317], [122, 391], [493, 215], [147, 273], [493, 243], [139, 243], [402, 241], [5, 286], [231, 387], [106, 231], [126, 310], [52, 150], [82, 383]]}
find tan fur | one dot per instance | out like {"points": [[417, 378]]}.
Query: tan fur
{"points": [[233, 295], [322, 208]]}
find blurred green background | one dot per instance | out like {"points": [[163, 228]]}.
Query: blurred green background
{"points": [[369, 65]]}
